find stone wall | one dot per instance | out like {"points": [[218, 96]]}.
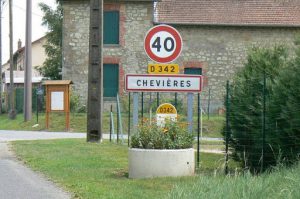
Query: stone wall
{"points": [[219, 51], [76, 44]]}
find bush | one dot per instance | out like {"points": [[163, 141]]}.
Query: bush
{"points": [[172, 136], [75, 104], [286, 111], [246, 105]]}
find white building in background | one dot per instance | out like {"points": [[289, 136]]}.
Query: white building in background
{"points": [[19, 79], [38, 58]]}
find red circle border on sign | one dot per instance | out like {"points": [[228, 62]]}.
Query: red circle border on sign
{"points": [[170, 30]]}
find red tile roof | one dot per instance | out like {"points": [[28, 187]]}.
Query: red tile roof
{"points": [[229, 12]]}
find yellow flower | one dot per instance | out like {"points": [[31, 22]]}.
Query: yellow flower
{"points": [[165, 130]]}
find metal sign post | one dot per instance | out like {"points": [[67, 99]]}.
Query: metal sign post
{"points": [[163, 44], [190, 102], [135, 113]]}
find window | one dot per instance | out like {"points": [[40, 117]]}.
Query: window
{"points": [[193, 71], [111, 27], [110, 80]]}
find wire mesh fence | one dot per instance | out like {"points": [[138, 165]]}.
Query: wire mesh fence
{"points": [[259, 132]]}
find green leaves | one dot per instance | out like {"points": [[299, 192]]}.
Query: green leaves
{"points": [[246, 105], [172, 136], [52, 67]]}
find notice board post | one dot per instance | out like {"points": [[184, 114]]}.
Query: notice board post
{"points": [[58, 99]]}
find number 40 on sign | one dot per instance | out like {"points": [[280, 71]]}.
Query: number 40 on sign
{"points": [[163, 44]]}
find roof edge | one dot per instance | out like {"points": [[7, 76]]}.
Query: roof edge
{"points": [[232, 25], [116, 0]]}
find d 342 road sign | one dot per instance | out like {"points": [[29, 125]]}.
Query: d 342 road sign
{"points": [[163, 44], [165, 111]]}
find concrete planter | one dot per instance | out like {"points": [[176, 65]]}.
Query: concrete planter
{"points": [[148, 163]]}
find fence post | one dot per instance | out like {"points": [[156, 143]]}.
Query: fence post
{"points": [[263, 122], [142, 107], [119, 119], [190, 100], [157, 99], [37, 107], [110, 124], [198, 135], [112, 136], [208, 105], [176, 101], [227, 127], [118, 124]]}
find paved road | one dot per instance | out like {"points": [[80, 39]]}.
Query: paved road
{"points": [[18, 181], [210, 139], [6, 135]]}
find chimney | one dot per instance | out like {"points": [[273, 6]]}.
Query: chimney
{"points": [[19, 44]]}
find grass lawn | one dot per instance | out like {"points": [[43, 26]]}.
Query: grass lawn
{"points": [[280, 184], [211, 145], [211, 127], [57, 122], [100, 170]]}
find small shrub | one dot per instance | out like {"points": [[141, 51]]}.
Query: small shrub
{"points": [[172, 136], [75, 104]]}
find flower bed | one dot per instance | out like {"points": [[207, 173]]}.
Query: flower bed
{"points": [[161, 151]]}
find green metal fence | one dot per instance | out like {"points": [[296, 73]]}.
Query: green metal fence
{"points": [[19, 100]]}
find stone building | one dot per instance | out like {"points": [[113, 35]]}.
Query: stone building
{"points": [[216, 37], [125, 24]]}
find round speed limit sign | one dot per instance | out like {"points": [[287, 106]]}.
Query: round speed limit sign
{"points": [[163, 44]]}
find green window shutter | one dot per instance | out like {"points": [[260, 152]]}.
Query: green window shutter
{"points": [[110, 80], [111, 27], [193, 71]]}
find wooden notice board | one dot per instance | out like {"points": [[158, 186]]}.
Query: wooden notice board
{"points": [[58, 99]]}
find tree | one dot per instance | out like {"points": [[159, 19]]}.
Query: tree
{"points": [[52, 66]]}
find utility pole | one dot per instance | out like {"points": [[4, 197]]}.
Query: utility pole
{"points": [[28, 65], [1, 7], [12, 111], [95, 76]]}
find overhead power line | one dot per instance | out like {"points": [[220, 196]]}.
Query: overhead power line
{"points": [[24, 10]]}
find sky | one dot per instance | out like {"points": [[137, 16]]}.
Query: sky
{"points": [[19, 21]]}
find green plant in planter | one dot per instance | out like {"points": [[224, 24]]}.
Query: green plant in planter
{"points": [[173, 135]]}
